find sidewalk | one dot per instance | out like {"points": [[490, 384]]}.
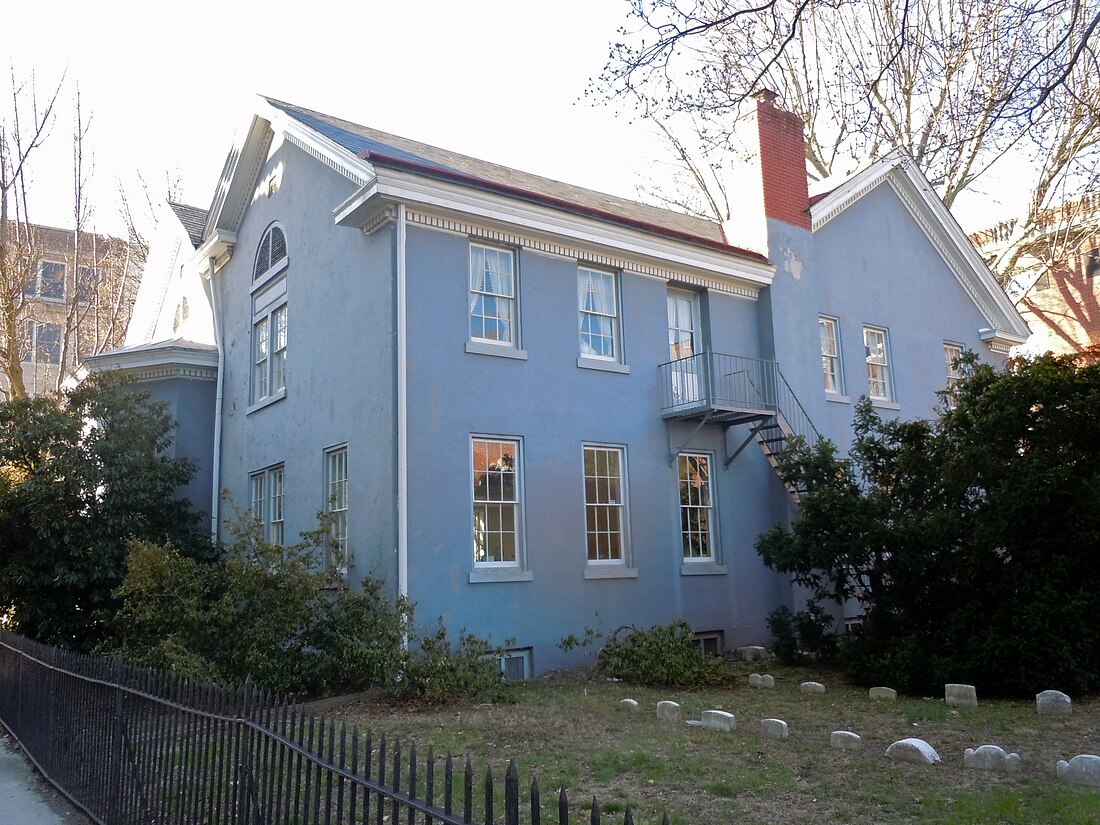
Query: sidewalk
{"points": [[25, 798]]}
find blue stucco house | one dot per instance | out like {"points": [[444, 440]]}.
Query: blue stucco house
{"points": [[532, 407]]}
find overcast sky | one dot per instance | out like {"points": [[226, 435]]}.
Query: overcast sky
{"points": [[167, 86]]}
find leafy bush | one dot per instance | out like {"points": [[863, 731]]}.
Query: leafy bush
{"points": [[661, 656], [805, 634], [434, 672]]}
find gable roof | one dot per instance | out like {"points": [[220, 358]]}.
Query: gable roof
{"points": [[898, 170]]}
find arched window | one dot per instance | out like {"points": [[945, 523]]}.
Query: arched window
{"points": [[271, 253]]}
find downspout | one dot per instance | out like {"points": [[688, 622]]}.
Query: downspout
{"points": [[402, 416], [215, 495]]}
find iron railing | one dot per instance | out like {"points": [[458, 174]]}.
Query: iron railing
{"points": [[718, 381], [131, 746]]}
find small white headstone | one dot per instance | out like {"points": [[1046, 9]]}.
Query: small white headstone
{"points": [[990, 758], [1081, 770], [916, 751], [845, 740], [773, 728], [1053, 703], [694, 723], [756, 680], [812, 687], [669, 711], [753, 653], [767, 681], [719, 720], [629, 705], [884, 694], [960, 696]]}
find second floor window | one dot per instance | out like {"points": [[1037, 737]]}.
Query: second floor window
{"points": [[951, 355], [48, 282], [598, 300], [269, 340], [876, 344], [830, 354], [492, 295]]}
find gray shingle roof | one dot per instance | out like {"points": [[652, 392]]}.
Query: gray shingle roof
{"points": [[379, 147], [193, 220]]}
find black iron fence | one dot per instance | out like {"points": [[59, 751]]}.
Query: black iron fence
{"points": [[132, 746]]}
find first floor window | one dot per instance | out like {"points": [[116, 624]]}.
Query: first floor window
{"points": [[492, 295], [604, 504], [830, 354], [336, 507], [875, 343], [269, 343], [496, 501], [266, 494], [598, 300], [696, 507]]}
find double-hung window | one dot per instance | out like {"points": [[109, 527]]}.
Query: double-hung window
{"points": [[269, 318], [266, 495], [696, 507], [605, 504], [829, 330], [492, 296], [496, 501], [952, 353], [336, 508], [48, 282], [598, 302], [41, 343], [876, 343]]}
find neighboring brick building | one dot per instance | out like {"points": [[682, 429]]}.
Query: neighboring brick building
{"points": [[70, 297], [1056, 284]]}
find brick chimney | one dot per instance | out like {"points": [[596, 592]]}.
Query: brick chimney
{"points": [[782, 162]]}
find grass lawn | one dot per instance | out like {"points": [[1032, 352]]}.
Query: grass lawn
{"points": [[568, 732]]}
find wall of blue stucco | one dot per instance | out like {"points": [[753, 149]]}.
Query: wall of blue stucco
{"points": [[339, 361]]}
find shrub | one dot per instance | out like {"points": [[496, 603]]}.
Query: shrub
{"points": [[434, 672], [661, 656], [807, 634]]}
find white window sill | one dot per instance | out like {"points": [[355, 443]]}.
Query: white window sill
{"points": [[702, 568], [883, 404], [499, 574], [499, 350], [837, 398], [610, 571], [586, 363], [266, 402]]}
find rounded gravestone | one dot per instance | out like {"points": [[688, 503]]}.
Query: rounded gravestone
{"points": [[1053, 703], [915, 751], [990, 758], [669, 711], [812, 687], [1081, 770], [773, 728], [845, 740]]}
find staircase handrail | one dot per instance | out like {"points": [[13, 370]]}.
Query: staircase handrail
{"points": [[800, 424]]}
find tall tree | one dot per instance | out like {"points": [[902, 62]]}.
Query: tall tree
{"points": [[959, 85]]}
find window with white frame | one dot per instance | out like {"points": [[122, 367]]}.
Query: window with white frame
{"points": [[266, 497], [41, 343], [598, 301], [696, 507], [495, 466], [492, 295], [271, 254], [336, 507], [269, 339], [605, 504], [48, 282], [829, 330], [952, 353], [876, 344]]}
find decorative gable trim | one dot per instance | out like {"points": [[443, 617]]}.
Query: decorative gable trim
{"points": [[576, 253]]}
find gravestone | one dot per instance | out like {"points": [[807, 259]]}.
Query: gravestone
{"points": [[1053, 703], [756, 680], [845, 740], [1081, 770], [960, 696], [753, 653], [669, 711], [990, 758], [883, 694], [773, 728], [629, 705], [812, 687], [916, 751], [767, 681], [719, 720]]}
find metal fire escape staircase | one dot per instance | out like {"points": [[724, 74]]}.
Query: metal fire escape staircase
{"points": [[731, 390]]}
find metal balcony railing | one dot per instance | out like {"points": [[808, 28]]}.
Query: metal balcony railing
{"points": [[730, 387]]}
